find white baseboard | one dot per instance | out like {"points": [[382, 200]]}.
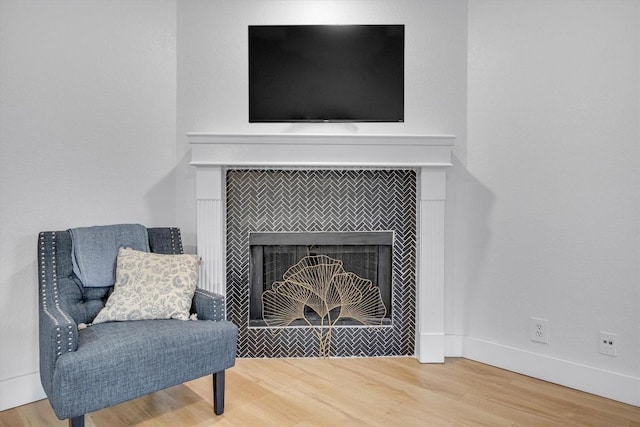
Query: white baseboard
{"points": [[430, 347], [611, 385], [20, 391], [453, 345]]}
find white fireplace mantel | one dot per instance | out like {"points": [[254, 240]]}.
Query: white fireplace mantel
{"points": [[320, 150], [429, 155]]}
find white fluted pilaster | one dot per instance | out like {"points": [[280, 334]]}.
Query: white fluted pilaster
{"points": [[210, 228], [430, 286]]}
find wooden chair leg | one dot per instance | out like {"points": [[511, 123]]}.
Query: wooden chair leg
{"points": [[218, 392], [76, 421]]}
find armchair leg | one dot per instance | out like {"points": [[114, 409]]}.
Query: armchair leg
{"points": [[218, 392], [76, 421]]}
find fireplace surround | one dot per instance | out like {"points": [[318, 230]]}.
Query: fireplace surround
{"points": [[323, 204], [426, 156]]}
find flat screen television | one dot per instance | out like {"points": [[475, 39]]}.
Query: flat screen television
{"points": [[319, 73]]}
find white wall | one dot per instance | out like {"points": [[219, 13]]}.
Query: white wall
{"points": [[87, 136], [552, 189], [213, 69]]}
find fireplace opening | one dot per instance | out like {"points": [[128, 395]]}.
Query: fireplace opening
{"points": [[362, 255]]}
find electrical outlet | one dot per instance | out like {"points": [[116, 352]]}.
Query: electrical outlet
{"points": [[608, 343], [539, 330]]}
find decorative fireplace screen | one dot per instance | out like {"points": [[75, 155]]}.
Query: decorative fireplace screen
{"points": [[341, 264]]}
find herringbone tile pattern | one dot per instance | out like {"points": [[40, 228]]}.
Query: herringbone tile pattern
{"points": [[323, 200]]}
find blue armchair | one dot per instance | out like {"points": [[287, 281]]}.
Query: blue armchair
{"points": [[108, 363]]}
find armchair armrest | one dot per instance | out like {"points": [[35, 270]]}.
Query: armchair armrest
{"points": [[208, 305], [58, 335], [58, 331]]}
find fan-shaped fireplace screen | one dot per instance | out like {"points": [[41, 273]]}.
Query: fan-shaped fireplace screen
{"points": [[320, 278]]}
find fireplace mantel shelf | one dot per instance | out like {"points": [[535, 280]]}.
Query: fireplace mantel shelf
{"points": [[320, 150]]}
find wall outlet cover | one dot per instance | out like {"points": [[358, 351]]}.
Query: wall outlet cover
{"points": [[608, 343], [539, 330]]}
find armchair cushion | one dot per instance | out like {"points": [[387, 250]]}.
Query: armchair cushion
{"points": [[118, 361], [151, 286]]}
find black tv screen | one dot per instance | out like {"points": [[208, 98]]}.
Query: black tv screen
{"points": [[316, 73]]}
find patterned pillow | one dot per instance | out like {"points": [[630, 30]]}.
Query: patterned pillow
{"points": [[151, 286]]}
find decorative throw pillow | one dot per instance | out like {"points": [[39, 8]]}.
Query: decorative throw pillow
{"points": [[151, 286]]}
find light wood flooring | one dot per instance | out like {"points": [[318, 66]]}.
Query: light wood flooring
{"points": [[356, 392]]}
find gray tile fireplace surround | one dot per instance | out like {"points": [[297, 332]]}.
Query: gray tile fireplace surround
{"points": [[323, 200]]}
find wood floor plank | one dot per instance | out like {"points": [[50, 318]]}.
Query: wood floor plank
{"points": [[356, 392]]}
